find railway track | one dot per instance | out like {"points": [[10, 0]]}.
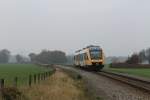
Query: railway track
{"points": [[130, 80], [135, 82]]}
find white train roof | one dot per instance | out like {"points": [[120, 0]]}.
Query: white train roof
{"points": [[88, 47]]}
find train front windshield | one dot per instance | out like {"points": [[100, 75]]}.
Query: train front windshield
{"points": [[96, 54]]}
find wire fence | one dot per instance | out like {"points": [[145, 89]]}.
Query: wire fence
{"points": [[28, 80]]}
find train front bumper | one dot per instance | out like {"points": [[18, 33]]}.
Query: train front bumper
{"points": [[97, 62]]}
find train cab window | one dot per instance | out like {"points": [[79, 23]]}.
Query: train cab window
{"points": [[96, 54]]}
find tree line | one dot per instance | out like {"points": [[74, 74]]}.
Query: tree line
{"points": [[49, 57], [44, 57], [6, 57], [142, 56]]}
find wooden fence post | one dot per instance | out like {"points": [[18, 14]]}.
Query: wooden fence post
{"points": [[34, 78], [44, 75], [30, 80], [38, 77], [2, 83], [49, 73], [15, 81], [41, 76]]}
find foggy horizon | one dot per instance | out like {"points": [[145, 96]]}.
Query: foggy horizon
{"points": [[119, 27]]}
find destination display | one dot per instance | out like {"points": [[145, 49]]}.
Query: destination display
{"points": [[95, 48]]}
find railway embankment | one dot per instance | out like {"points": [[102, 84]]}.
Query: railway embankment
{"points": [[108, 88], [60, 86]]}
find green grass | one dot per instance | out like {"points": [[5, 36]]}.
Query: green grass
{"points": [[22, 71], [135, 71]]}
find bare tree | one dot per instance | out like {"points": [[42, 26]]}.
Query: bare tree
{"points": [[20, 59], [32, 57], [142, 56], [134, 59], [148, 55], [4, 56]]}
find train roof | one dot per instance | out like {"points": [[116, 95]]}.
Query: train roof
{"points": [[90, 46]]}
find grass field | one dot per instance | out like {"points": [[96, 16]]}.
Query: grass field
{"points": [[135, 71], [22, 71]]}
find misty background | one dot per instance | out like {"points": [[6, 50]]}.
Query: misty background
{"points": [[120, 27]]}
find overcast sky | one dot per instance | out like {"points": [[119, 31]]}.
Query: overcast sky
{"points": [[120, 27]]}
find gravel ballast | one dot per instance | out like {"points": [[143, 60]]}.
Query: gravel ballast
{"points": [[109, 89]]}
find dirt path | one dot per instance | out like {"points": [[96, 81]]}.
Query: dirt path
{"points": [[109, 89], [59, 86]]}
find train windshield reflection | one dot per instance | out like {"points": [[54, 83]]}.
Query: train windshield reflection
{"points": [[95, 55]]}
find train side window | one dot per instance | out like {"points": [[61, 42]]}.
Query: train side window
{"points": [[84, 57], [81, 57], [78, 58]]}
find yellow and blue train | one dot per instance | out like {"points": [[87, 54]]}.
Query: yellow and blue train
{"points": [[91, 57]]}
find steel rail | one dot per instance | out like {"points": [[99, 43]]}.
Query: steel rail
{"points": [[135, 82]]}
